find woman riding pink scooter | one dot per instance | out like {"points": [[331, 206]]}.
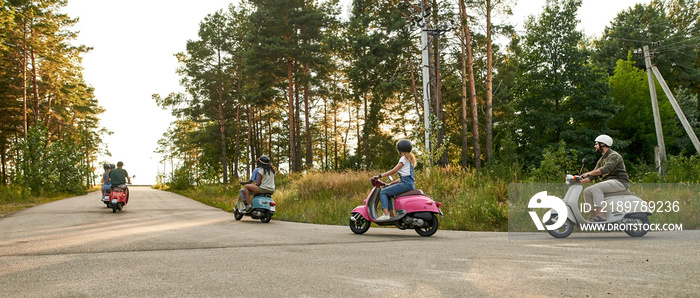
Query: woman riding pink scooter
{"points": [[414, 209], [407, 181]]}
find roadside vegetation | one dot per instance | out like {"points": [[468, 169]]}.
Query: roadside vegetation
{"points": [[472, 200], [15, 198]]}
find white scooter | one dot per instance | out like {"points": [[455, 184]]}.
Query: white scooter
{"points": [[623, 212]]}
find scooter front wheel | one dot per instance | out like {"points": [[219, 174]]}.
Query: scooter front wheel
{"points": [[431, 228], [237, 214], [360, 225]]}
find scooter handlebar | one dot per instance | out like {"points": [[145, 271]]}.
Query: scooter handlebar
{"points": [[376, 182], [571, 179]]}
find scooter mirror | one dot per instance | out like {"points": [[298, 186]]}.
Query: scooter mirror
{"points": [[583, 164], [391, 178]]}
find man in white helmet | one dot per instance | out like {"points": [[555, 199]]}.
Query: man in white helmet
{"points": [[611, 169]]}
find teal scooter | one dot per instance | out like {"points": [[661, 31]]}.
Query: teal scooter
{"points": [[263, 207]]}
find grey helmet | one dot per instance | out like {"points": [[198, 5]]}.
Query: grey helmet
{"points": [[404, 145]]}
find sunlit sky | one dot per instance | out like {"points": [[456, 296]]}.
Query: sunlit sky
{"points": [[134, 43]]}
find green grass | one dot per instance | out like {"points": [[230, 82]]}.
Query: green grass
{"points": [[13, 199]]}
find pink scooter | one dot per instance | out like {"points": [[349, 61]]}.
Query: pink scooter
{"points": [[414, 210]]}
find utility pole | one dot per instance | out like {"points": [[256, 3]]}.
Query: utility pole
{"points": [[426, 76], [660, 150], [677, 108]]}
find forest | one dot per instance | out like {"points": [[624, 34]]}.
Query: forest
{"points": [[319, 91], [50, 136]]}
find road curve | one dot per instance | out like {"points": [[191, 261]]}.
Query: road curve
{"points": [[164, 244]]}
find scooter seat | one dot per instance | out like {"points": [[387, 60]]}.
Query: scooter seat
{"points": [[411, 193], [619, 193], [269, 195]]}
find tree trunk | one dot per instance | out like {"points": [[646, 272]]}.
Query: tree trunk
{"points": [[489, 83], [335, 137], [347, 133], [325, 135], [438, 105], [3, 156], [472, 89], [359, 136], [24, 83], [297, 129], [465, 133], [251, 158], [309, 151], [365, 144], [35, 88], [237, 142], [222, 130], [292, 156]]}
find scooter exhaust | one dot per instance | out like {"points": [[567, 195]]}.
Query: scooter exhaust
{"points": [[416, 222]]}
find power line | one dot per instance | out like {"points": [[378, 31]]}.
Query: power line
{"points": [[676, 63]]}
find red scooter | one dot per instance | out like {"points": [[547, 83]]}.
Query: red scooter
{"points": [[118, 198], [414, 210]]}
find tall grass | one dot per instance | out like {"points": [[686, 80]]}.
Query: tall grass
{"points": [[471, 201], [475, 200], [323, 198]]}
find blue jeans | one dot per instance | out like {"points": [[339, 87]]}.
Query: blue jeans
{"points": [[393, 190]]}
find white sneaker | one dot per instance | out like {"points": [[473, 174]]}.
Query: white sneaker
{"points": [[384, 217]]}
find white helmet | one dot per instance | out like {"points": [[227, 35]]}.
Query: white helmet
{"points": [[605, 139]]}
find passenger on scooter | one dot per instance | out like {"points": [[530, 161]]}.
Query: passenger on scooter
{"points": [[119, 178], [106, 184], [265, 182], [611, 169], [407, 181], [253, 179]]}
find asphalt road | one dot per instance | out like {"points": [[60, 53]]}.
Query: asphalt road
{"points": [[163, 244]]}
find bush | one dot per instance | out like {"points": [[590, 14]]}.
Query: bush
{"points": [[557, 161], [683, 169], [679, 169], [182, 178]]}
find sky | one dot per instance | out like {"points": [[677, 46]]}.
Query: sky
{"points": [[133, 57]]}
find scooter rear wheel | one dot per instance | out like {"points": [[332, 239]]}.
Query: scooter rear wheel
{"points": [[637, 228], [562, 232], [266, 218], [430, 229], [360, 225]]}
